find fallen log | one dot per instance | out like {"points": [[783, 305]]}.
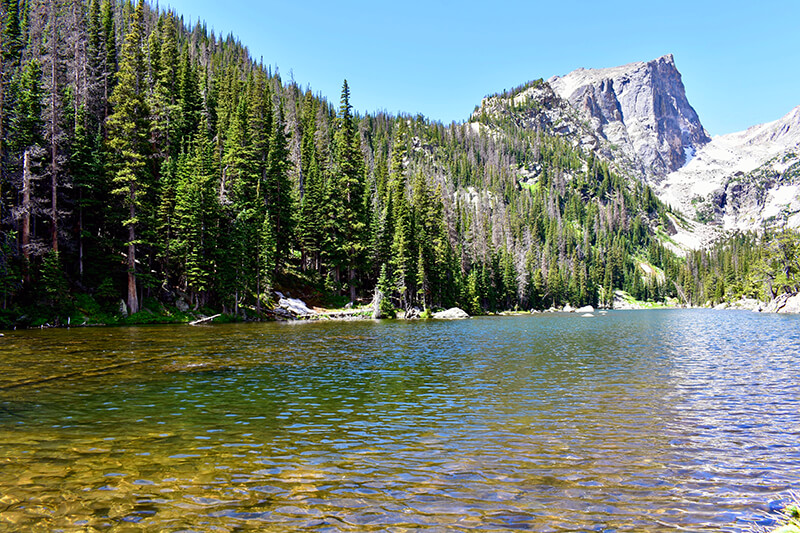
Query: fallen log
{"points": [[203, 320]]}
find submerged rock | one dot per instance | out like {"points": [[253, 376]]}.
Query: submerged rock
{"points": [[451, 314]]}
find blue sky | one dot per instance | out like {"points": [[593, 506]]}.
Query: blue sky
{"points": [[739, 60]]}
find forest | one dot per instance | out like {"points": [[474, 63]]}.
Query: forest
{"points": [[145, 163]]}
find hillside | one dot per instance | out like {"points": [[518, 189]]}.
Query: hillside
{"points": [[161, 168]]}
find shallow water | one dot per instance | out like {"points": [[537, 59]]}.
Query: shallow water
{"points": [[630, 421]]}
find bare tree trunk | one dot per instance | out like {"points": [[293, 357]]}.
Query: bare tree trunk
{"points": [[352, 284], [26, 205], [133, 297], [80, 235], [2, 144], [53, 128]]}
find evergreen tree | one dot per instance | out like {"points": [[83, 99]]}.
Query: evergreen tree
{"points": [[347, 220], [278, 189], [27, 137], [129, 132]]}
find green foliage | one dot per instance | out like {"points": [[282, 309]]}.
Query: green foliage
{"points": [[53, 287], [778, 270], [10, 275], [195, 170], [27, 122], [384, 285]]}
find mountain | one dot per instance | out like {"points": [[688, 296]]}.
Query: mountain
{"points": [[642, 111], [183, 174], [637, 117], [743, 180]]}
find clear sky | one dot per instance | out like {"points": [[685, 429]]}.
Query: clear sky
{"points": [[739, 59]]}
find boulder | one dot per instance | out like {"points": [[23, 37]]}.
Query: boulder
{"points": [[451, 314], [792, 305], [747, 304], [621, 302], [785, 303], [295, 306], [568, 309], [585, 309], [283, 313], [182, 305]]}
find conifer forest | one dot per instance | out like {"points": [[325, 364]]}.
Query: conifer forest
{"points": [[143, 160]]}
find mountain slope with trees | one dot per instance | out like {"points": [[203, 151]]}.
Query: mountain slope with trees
{"points": [[157, 164]]}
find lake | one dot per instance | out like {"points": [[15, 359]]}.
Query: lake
{"points": [[626, 421]]}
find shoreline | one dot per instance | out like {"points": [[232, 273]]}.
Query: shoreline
{"points": [[784, 304]]}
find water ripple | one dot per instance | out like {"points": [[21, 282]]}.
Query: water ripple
{"points": [[656, 421]]}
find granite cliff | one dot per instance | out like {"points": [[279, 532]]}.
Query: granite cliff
{"points": [[641, 109]]}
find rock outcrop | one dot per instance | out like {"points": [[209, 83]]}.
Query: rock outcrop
{"points": [[622, 301], [638, 118], [743, 180], [785, 303], [451, 314], [641, 109], [292, 307]]}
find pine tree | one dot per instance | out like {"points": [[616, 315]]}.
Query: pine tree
{"points": [[129, 132], [347, 218], [11, 42], [189, 97], [310, 219], [85, 165], [162, 100], [55, 66], [278, 189], [108, 54], [384, 287], [27, 137]]}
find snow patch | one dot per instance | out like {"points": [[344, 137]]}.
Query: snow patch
{"points": [[733, 156], [688, 154]]}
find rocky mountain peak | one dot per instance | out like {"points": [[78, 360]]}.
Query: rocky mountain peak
{"points": [[742, 181], [641, 109]]}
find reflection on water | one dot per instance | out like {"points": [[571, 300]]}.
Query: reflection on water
{"points": [[632, 421]]}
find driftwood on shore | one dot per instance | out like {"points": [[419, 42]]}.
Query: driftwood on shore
{"points": [[203, 320]]}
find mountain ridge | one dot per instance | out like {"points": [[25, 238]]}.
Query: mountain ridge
{"points": [[640, 107], [637, 117], [742, 180]]}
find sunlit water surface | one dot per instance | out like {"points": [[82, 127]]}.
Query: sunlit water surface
{"points": [[630, 421]]}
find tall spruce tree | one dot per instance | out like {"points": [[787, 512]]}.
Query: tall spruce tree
{"points": [[128, 136], [347, 206], [27, 139], [278, 189]]}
